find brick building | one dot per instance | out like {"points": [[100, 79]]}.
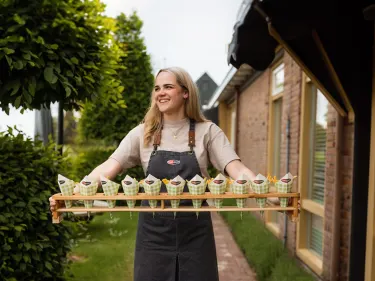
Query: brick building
{"points": [[279, 122]]}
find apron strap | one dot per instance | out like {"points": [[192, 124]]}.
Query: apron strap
{"points": [[192, 134]]}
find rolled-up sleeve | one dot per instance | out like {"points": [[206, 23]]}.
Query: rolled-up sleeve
{"points": [[220, 151], [128, 152]]}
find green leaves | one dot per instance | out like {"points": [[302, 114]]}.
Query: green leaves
{"points": [[47, 44], [32, 248], [123, 101], [49, 75]]}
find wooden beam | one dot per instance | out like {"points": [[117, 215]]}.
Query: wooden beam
{"points": [[297, 59], [370, 237], [165, 196], [335, 78]]}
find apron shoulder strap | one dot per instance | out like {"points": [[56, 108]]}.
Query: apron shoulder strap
{"points": [[192, 134]]}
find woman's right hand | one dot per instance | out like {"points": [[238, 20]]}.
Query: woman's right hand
{"points": [[52, 204]]}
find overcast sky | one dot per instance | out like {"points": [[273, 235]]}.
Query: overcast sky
{"points": [[191, 34]]}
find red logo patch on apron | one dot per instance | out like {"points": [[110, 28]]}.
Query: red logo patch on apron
{"points": [[173, 162], [286, 180]]}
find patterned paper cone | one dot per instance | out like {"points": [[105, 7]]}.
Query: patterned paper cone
{"points": [[217, 186], [260, 185], [131, 188], [284, 185], [197, 186], [67, 188], [88, 187], [240, 186], [109, 188], [152, 186], [175, 187]]}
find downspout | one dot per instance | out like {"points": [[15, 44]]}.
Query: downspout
{"points": [[237, 117], [287, 171]]}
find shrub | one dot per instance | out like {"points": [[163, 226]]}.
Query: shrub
{"points": [[32, 248]]}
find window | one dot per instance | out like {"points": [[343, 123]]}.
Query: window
{"points": [[278, 80], [275, 133], [312, 174]]}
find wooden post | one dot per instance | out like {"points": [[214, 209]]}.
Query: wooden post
{"points": [[56, 216], [295, 211]]}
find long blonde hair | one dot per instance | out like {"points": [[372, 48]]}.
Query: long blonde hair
{"points": [[153, 118]]}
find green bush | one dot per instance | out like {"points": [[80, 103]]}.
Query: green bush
{"points": [[31, 247]]}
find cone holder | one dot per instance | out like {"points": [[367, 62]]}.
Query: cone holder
{"points": [[59, 209]]}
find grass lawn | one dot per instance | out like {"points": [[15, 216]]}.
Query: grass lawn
{"points": [[106, 252], [263, 250]]}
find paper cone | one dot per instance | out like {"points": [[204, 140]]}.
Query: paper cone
{"points": [[152, 186], [197, 186], [66, 188], [217, 186], [175, 187], [109, 188], [241, 186], [131, 188], [284, 185], [260, 185], [87, 187]]}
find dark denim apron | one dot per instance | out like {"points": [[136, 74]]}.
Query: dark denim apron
{"points": [[181, 248]]}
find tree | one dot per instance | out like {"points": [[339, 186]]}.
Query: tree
{"points": [[56, 50], [100, 120]]}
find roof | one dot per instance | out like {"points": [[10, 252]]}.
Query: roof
{"points": [[207, 87]]}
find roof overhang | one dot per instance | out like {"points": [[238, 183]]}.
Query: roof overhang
{"points": [[319, 35], [235, 78]]}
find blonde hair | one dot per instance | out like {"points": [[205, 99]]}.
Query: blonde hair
{"points": [[153, 118]]}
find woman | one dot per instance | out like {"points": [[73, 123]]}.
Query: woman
{"points": [[183, 248]]}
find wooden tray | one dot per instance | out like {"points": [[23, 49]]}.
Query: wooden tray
{"points": [[57, 213]]}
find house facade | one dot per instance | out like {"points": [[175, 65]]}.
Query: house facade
{"points": [[279, 121]]}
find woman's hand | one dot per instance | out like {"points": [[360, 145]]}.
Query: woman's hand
{"points": [[236, 168]]}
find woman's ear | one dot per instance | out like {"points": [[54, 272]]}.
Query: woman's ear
{"points": [[186, 95]]}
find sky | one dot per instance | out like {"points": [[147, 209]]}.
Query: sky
{"points": [[192, 34]]}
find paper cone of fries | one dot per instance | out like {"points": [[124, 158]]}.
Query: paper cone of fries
{"points": [[131, 188], [197, 186], [67, 188], [284, 185], [152, 186], [217, 186], [109, 188], [241, 186], [175, 187], [88, 187], [260, 185]]}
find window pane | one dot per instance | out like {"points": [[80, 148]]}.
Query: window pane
{"points": [[278, 80], [319, 143], [315, 234]]}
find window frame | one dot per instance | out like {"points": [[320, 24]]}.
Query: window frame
{"points": [[271, 224]]}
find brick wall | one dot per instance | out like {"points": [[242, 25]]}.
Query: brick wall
{"points": [[252, 147], [292, 108], [346, 175], [252, 128]]}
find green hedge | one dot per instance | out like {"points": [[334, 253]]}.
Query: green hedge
{"points": [[31, 247], [263, 251]]}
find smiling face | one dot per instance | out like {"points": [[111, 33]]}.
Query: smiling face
{"points": [[169, 96]]}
